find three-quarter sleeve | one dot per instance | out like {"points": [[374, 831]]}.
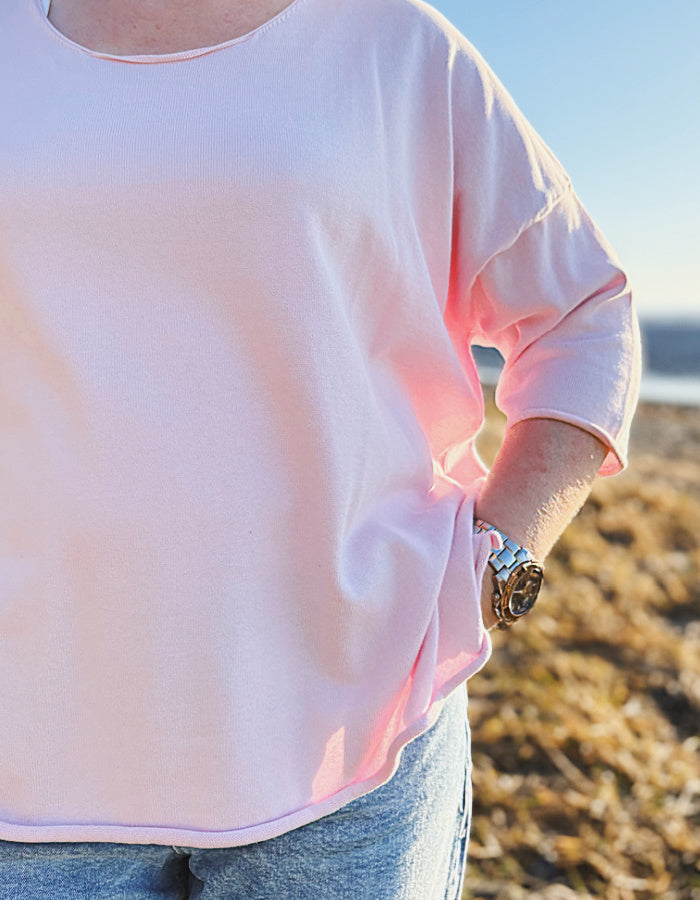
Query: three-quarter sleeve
{"points": [[532, 275]]}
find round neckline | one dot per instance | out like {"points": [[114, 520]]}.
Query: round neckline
{"points": [[151, 58]]}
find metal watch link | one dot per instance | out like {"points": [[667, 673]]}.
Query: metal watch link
{"points": [[516, 576]]}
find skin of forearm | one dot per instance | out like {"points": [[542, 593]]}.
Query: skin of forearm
{"points": [[540, 479]]}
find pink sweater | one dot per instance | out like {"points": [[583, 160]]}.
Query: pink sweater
{"points": [[238, 289]]}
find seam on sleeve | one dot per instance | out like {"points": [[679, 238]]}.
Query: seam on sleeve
{"points": [[551, 204], [616, 285], [530, 223]]}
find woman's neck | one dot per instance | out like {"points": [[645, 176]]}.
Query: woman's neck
{"points": [[134, 27]]}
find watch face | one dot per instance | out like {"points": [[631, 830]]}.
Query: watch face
{"points": [[522, 590]]}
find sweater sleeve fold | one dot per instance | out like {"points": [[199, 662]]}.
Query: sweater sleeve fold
{"points": [[558, 306], [532, 275]]}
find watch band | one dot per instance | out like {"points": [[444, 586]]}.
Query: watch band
{"points": [[516, 576]]}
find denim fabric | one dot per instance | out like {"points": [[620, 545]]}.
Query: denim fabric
{"points": [[406, 840]]}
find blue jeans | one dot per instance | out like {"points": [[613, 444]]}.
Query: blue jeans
{"points": [[406, 840]]}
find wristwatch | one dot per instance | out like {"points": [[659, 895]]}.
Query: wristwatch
{"points": [[516, 576]]}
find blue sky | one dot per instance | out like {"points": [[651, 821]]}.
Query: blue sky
{"points": [[614, 89]]}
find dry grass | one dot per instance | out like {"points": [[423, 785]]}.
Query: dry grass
{"points": [[585, 722]]}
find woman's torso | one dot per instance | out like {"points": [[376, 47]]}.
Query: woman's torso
{"points": [[225, 384]]}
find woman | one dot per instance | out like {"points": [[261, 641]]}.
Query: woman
{"points": [[244, 250]]}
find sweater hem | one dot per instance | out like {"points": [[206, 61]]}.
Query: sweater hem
{"points": [[204, 839]]}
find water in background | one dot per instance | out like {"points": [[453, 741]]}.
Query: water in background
{"points": [[671, 372]]}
